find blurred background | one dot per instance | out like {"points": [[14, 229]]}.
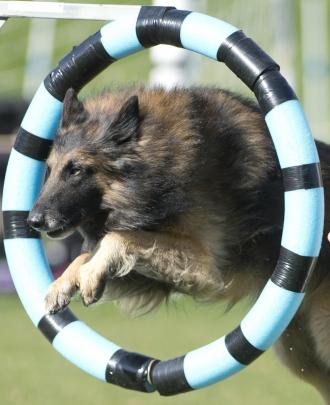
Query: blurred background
{"points": [[296, 34]]}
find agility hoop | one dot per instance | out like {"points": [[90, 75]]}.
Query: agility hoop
{"points": [[303, 195]]}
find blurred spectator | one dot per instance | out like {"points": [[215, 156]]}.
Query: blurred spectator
{"points": [[11, 114]]}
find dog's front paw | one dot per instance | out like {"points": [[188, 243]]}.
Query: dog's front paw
{"points": [[61, 291], [92, 283], [59, 294]]}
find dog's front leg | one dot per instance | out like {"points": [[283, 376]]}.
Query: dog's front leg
{"points": [[110, 258], [88, 273], [61, 290], [177, 260]]}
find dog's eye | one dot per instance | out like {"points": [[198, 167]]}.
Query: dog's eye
{"points": [[75, 171]]}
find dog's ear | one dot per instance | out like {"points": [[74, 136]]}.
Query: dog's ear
{"points": [[73, 110], [125, 125]]}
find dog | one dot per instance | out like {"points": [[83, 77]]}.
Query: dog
{"points": [[177, 192]]}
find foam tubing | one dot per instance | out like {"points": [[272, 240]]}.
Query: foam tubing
{"points": [[304, 205]]}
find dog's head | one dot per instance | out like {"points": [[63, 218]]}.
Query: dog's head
{"points": [[86, 160]]}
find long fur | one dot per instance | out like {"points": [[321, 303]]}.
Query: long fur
{"points": [[177, 191]]}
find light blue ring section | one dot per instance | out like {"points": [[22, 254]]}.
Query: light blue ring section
{"points": [[85, 348], [43, 115], [30, 272], [270, 315], [209, 364], [119, 38], [303, 221], [24, 177], [204, 34], [291, 135]]}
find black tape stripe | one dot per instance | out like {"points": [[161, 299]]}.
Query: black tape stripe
{"points": [[240, 348], [160, 25], [168, 377], [256, 69], [272, 89], [51, 325], [32, 146], [245, 58], [293, 271], [78, 67], [15, 225], [302, 177], [129, 370]]}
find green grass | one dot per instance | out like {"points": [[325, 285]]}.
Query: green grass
{"points": [[32, 373]]}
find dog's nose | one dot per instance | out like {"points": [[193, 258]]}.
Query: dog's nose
{"points": [[36, 220]]}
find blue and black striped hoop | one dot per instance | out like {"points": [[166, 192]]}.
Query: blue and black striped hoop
{"points": [[304, 206]]}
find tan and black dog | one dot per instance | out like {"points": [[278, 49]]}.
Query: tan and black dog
{"points": [[177, 191]]}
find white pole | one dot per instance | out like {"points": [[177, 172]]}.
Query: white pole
{"points": [[43, 9], [315, 55], [284, 38], [39, 54], [174, 66]]}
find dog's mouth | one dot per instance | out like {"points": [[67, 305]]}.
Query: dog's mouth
{"points": [[63, 229], [61, 233]]}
